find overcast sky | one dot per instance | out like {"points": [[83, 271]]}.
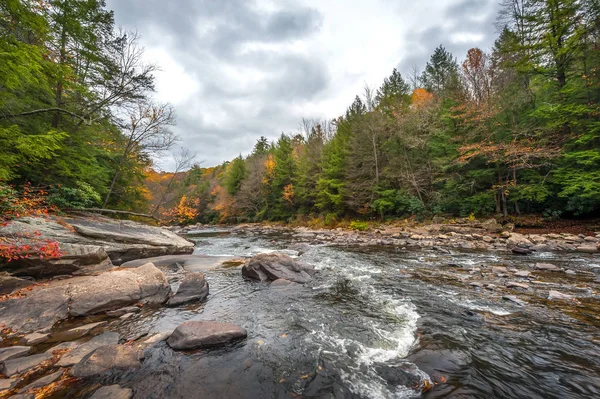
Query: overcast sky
{"points": [[236, 70]]}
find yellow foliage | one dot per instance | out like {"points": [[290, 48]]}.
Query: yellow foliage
{"points": [[288, 193], [421, 97], [269, 168]]}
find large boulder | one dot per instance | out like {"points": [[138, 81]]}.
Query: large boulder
{"points": [[193, 287], [81, 296], [90, 244], [271, 267], [202, 334]]}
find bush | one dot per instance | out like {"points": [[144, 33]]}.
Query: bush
{"points": [[82, 196], [359, 225]]}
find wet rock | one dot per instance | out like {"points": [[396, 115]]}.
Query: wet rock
{"points": [[201, 334], [518, 240], [547, 267], [559, 295], [499, 269], [76, 332], [191, 263], [403, 374], [300, 247], [77, 354], [106, 359], [571, 272], [514, 299], [513, 284], [522, 273], [23, 364], [270, 267], [587, 248], [42, 382], [127, 316], [35, 338], [122, 311], [9, 283], [112, 392], [13, 352], [521, 251], [193, 287]]}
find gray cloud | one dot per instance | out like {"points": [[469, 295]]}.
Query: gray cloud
{"points": [[256, 67]]}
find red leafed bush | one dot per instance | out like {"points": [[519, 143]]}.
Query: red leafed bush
{"points": [[24, 245]]}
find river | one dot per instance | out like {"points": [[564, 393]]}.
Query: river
{"points": [[375, 323]]}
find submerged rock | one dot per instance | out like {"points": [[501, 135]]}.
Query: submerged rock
{"points": [[201, 334], [106, 359], [270, 267], [193, 287], [191, 263]]}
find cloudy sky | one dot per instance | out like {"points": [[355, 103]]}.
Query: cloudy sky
{"points": [[236, 70]]}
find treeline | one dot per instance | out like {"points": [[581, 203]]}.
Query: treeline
{"points": [[77, 118], [510, 131]]}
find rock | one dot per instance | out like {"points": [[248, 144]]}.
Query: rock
{"points": [[587, 248], [499, 269], [193, 287], [8, 383], [35, 338], [513, 284], [77, 354], [81, 296], [491, 225], [23, 396], [517, 240], [90, 243], [112, 392], [10, 283], [488, 239], [571, 272], [191, 263], [201, 334], [76, 332], [42, 382], [504, 234], [521, 251], [127, 316], [270, 267], [106, 359], [122, 311], [300, 247], [514, 299], [559, 295], [547, 267], [23, 364], [13, 352], [448, 228], [522, 273]]}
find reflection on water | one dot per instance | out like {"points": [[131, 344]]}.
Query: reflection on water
{"points": [[367, 327]]}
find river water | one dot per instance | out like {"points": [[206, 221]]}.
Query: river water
{"points": [[374, 323]]}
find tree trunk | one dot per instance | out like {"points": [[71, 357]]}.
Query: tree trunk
{"points": [[59, 84]]}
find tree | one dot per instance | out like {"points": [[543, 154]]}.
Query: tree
{"points": [[441, 72], [235, 175]]}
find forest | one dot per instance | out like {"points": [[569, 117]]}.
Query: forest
{"points": [[511, 130]]}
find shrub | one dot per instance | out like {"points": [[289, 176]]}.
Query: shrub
{"points": [[79, 197], [359, 225]]}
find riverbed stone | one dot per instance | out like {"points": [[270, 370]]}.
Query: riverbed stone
{"points": [[35, 338], [77, 354], [9, 283], [122, 311], [204, 333], [106, 359], [76, 332], [514, 284], [23, 364], [514, 299], [553, 294], [523, 273], [270, 267], [13, 352], [282, 283], [193, 287], [547, 267], [42, 382], [112, 392], [587, 248]]}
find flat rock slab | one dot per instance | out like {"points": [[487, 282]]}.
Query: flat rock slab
{"points": [[76, 332], [107, 359], [80, 296], [191, 263], [10, 283], [193, 287], [35, 338], [12, 352], [78, 353], [112, 392], [547, 267], [23, 364], [559, 295], [514, 284], [202, 334], [42, 382], [522, 273], [514, 299], [8, 383], [270, 267]]}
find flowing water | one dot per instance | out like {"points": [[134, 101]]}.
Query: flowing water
{"points": [[374, 323]]}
